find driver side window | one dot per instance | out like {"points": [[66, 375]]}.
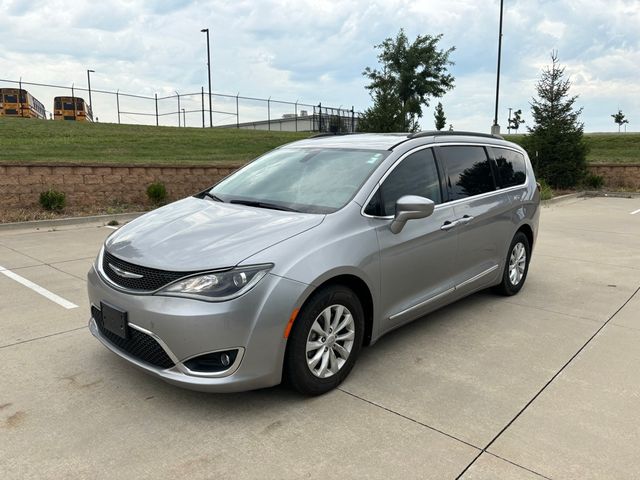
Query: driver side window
{"points": [[415, 175]]}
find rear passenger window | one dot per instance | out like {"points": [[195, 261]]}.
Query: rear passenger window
{"points": [[415, 175], [511, 167], [468, 171]]}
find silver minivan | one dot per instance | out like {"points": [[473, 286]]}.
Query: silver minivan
{"points": [[285, 269]]}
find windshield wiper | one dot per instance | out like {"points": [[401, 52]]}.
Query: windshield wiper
{"points": [[272, 206], [213, 197]]}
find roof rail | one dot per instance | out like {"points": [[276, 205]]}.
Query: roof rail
{"points": [[436, 133]]}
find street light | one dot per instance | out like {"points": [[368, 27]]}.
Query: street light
{"points": [[495, 129], [206, 30], [89, 72]]}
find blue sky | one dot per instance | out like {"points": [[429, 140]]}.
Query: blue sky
{"points": [[316, 51]]}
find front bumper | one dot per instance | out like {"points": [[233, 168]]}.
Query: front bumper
{"points": [[185, 328]]}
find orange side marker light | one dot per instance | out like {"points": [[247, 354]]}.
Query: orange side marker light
{"points": [[292, 319]]}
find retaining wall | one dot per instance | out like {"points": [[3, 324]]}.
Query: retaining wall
{"points": [[86, 185], [618, 174], [20, 185]]}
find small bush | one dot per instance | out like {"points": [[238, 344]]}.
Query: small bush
{"points": [[157, 193], [546, 193], [53, 200], [594, 181]]}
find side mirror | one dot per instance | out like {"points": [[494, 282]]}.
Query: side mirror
{"points": [[410, 207]]}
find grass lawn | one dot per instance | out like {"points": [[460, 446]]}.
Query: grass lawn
{"points": [[606, 147], [44, 141]]}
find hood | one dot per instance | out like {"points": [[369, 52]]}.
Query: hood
{"points": [[200, 234]]}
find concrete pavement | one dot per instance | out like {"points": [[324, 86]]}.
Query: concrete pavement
{"points": [[543, 384]]}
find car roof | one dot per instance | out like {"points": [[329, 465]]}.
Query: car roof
{"points": [[388, 141]]}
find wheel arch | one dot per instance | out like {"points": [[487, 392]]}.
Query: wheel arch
{"points": [[362, 291], [528, 231]]}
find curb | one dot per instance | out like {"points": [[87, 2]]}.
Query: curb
{"points": [[120, 217], [562, 198], [605, 193]]}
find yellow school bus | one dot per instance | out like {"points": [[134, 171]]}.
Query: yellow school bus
{"points": [[63, 109], [20, 103]]}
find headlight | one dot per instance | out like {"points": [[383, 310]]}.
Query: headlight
{"points": [[218, 286]]}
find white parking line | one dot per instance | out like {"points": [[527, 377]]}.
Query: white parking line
{"points": [[109, 226], [635, 211], [38, 289]]}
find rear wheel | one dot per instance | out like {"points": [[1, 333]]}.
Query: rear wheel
{"points": [[325, 341], [516, 266]]}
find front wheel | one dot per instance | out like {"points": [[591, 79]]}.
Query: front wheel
{"points": [[325, 341], [516, 266]]}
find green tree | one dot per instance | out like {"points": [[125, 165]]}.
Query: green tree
{"points": [[555, 143], [440, 119], [516, 120], [411, 74], [386, 113], [619, 119]]}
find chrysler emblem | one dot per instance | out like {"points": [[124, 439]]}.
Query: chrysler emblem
{"points": [[124, 273]]}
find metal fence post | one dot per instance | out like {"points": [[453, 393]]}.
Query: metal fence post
{"points": [[237, 111], [178, 109], [320, 117], [202, 107], [20, 97], [73, 99], [296, 114], [353, 120], [269, 112], [118, 104], [156, 109]]}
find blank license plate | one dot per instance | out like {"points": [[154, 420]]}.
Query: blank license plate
{"points": [[115, 320]]}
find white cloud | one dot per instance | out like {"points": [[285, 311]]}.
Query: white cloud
{"points": [[551, 28], [316, 50]]}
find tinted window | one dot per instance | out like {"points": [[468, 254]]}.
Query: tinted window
{"points": [[68, 106], [468, 171], [511, 167], [416, 175]]}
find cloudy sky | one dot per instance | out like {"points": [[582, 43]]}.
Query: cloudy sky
{"points": [[315, 51]]}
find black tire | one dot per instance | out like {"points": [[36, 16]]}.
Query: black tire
{"points": [[506, 286], [297, 372]]}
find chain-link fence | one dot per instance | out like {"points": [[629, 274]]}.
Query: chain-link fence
{"points": [[197, 109]]}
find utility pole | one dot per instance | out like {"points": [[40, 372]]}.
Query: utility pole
{"points": [[509, 123], [495, 129], [206, 30], [89, 72]]}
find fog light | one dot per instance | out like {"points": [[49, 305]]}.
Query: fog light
{"points": [[212, 362], [226, 361]]}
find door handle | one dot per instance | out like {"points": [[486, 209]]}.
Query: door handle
{"points": [[464, 220], [449, 225]]}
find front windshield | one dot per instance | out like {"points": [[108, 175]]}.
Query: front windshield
{"points": [[303, 179]]}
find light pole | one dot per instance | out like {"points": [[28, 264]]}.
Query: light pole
{"points": [[206, 30], [89, 72], [509, 122], [495, 129]]}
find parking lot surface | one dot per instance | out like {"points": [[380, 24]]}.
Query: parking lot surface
{"points": [[543, 384]]}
